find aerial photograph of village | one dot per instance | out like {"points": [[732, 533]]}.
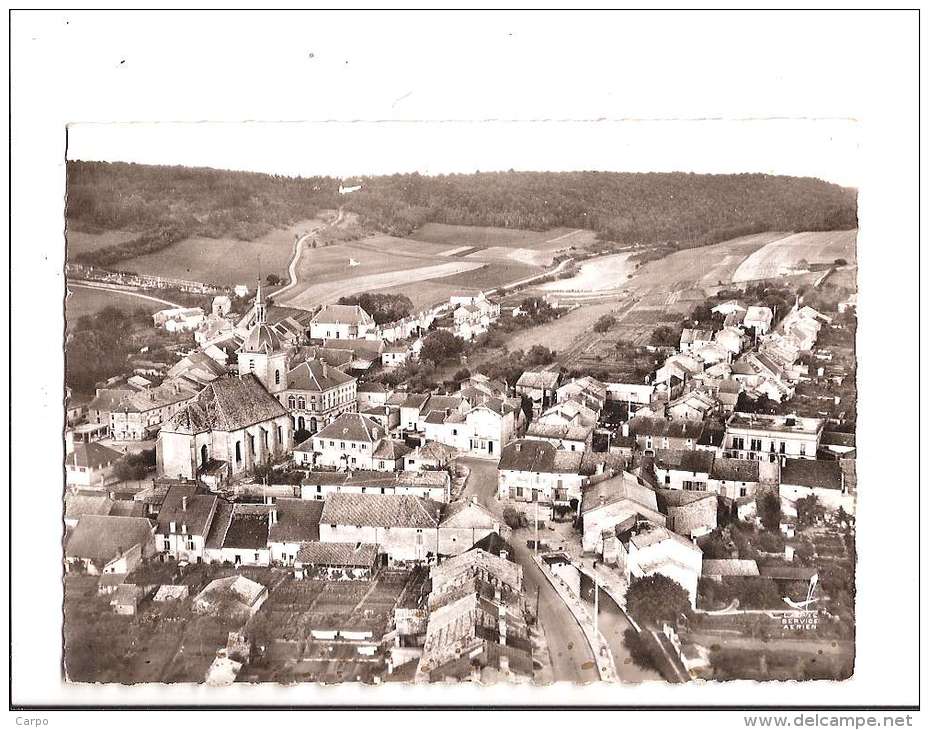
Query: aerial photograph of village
{"points": [[497, 427]]}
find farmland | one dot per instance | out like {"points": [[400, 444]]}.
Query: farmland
{"points": [[80, 242], [83, 301], [600, 274], [222, 261], [490, 237], [783, 255]]}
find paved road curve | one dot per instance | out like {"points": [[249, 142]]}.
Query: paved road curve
{"points": [[572, 659]]}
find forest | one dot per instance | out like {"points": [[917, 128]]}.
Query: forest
{"points": [[678, 210]]}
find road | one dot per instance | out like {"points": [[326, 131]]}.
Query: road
{"points": [[572, 659], [103, 287]]}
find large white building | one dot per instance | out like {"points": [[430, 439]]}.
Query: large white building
{"points": [[768, 438]]}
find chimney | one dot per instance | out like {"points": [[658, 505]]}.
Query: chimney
{"points": [[504, 555], [184, 503], [269, 499]]}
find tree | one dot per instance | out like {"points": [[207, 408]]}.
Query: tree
{"points": [[605, 323], [134, 467], [769, 509], [539, 355], [638, 650], [809, 510], [441, 345], [656, 599], [272, 279], [511, 517]]}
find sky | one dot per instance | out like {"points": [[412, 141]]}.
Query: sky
{"points": [[825, 149]]}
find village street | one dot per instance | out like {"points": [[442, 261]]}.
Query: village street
{"points": [[572, 659]]}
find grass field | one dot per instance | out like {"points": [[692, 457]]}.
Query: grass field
{"points": [[90, 301], [487, 237], [780, 256], [223, 261], [79, 242], [599, 274]]}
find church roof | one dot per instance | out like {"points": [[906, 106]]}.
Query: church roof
{"points": [[262, 338], [227, 404], [316, 376]]}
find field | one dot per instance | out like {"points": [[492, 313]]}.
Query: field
{"points": [[79, 242], [600, 274], [781, 256], [223, 261], [90, 301]]}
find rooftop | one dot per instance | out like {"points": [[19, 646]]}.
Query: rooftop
{"points": [[227, 404]]}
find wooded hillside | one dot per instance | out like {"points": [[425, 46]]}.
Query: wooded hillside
{"points": [[164, 205]]}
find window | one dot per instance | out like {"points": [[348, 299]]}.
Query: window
{"points": [[291, 402], [277, 377], [738, 443], [802, 449], [756, 444], [301, 403], [783, 448], [251, 366], [238, 452], [743, 491], [667, 478]]}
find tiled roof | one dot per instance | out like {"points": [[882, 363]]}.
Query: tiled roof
{"points": [[170, 392], [101, 537], [560, 431], [92, 455], [338, 554], [342, 314], [414, 400], [108, 398], [645, 426], [249, 527], [735, 470], [316, 376], [623, 486], [733, 567], [684, 460], [814, 473], [227, 404], [361, 349], [390, 450], [381, 510], [835, 438], [80, 505], [468, 514], [547, 379], [538, 456], [352, 427], [656, 534], [689, 335], [297, 520], [197, 516], [472, 563]]}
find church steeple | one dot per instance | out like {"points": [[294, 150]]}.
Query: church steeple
{"points": [[260, 306]]}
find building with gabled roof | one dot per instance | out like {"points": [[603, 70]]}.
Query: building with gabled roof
{"points": [[540, 387], [336, 561], [770, 437], [295, 523], [404, 527], [233, 421], [90, 464], [184, 521], [532, 470], [434, 485], [691, 514], [822, 478], [349, 442], [101, 544], [758, 318], [317, 394], [464, 523], [341, 322], [622, 499]]}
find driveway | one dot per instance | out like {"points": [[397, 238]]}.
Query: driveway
{"points": [[572, 659]]}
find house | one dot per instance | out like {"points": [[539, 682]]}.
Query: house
{"points": [[631, 393], [719, 570], [489, 426], [341, 322], [497, 570], [336, 561], [372, 394], [734, 478], [568, 437], [348, 442], [767, 437], [90, 464], [695, 405], [317, 394], [464, 523], [728, 307], [659, 433], [614, 502], [364, 353], [221, 305], [240, 534], [138, 416], [540, 387], [102, 544], [405, 528], [411, 408], [295, 523], [822, 478], [233, 422], [106, 399], [734, 319], [712, 353], [691, 514], [169, 592], [683, 469], [839, 445], [181, 319], [78, 505], [233, 597], [586, 390], [537, 471], [681, 367], [395, 355], [184, 521], [570, 413], [727, 394], [126, 599], [731, 339], [647, 549], [694, 339], [389, 455], [431, 456], [199, 368], [758, 318], [434, 485]]}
